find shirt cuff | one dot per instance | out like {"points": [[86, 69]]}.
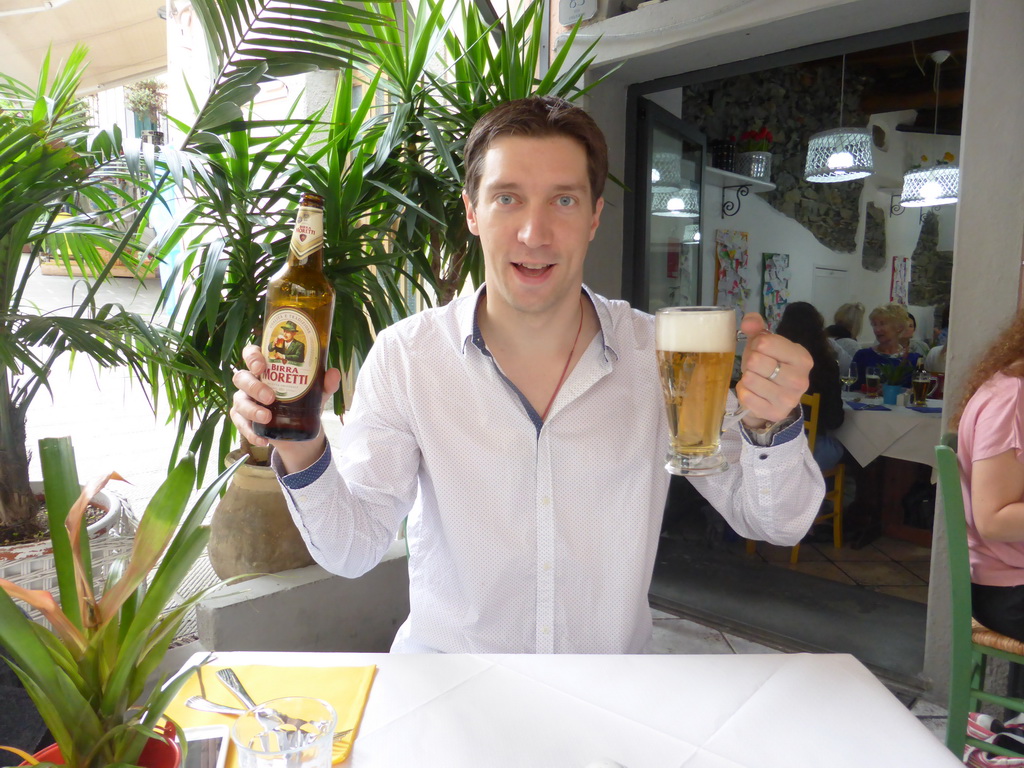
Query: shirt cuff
{"points": [[780, 432], [303, 477]]}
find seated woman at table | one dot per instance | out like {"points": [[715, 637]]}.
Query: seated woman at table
{"points": [[802, 323], [889, 323], [842, 335], [990, 425]]}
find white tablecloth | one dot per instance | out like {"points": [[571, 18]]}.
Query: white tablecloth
{"points": [[900, 433], [759, 711]]}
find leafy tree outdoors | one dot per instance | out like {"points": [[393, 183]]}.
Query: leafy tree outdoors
{"points": [[391, 176]]}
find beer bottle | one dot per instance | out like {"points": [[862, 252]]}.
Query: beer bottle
{"points": [[297, 330]]}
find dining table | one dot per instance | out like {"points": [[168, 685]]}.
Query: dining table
{"points": [[584, 711], [895, 444], [900, 432]]}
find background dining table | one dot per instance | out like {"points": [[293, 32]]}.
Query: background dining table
{"points": [[896, 447], [640, 711], [900, 432]]}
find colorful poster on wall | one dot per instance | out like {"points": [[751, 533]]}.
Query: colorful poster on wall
{"points": [[774, 286], [900, 286], [731, 258]]}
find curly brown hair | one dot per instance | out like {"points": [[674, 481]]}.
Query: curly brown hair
{"points": [[1004, 355]]}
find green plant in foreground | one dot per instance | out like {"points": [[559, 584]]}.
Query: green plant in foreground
{"points": [[87, 673]]}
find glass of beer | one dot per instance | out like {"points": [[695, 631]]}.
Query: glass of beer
{"points": [[923, 384], [873, 381], [696, 347]]}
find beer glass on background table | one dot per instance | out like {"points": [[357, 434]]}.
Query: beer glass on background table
{"points": [[872, 381], [923, 385], [696, 347]]}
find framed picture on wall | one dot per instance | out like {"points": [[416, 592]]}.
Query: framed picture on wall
{"points": [[731, 256], [899, 287], [774, 286]]}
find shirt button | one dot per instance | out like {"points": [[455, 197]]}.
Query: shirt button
{"points": [[546, 630], [546, 501], [303, 497], [547, 566]]}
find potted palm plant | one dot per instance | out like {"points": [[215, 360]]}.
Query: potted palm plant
{"points": [[395, 228], [87, 671], [62, 189]]}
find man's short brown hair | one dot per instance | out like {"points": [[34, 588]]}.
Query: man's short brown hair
{"points": [[537, 117]]}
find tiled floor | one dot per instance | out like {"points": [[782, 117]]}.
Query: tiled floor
{"points": [[886, 565], [113, 428]]}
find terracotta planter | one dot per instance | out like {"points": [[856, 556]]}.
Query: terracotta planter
{"points": [[252, 531], [156, 753]]}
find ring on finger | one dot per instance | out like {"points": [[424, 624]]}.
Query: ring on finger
{"points": [[774, 374]]}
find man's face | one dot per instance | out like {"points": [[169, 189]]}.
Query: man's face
{"points": [[535, 218], [288, 335]]}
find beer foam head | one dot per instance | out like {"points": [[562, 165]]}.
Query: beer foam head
{"points": [[695, 329]]}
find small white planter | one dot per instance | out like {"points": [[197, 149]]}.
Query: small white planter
{"points": [[31, 565], [756, 165]]}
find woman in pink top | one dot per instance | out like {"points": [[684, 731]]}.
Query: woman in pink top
{"points": [[990, 423]]}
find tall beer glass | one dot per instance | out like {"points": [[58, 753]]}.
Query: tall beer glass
{"points": [[696, 347]]}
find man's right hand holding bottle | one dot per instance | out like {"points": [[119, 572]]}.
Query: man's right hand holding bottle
{"points": [[249, 404]]}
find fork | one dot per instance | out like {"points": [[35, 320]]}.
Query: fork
{"points": [[205, 705]]}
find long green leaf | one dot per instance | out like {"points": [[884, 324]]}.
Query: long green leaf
{"points": [[60, 485]]}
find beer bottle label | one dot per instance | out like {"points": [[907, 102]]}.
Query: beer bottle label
{"points": [[292, 348], [308, 234]]}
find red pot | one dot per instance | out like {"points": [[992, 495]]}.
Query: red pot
{"points": [[156, 753]]}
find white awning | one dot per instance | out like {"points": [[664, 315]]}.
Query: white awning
{"points": [[127, 39]]}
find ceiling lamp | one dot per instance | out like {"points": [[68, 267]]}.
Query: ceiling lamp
{"points": [[939, 184], [839, 154], [683, 203]]}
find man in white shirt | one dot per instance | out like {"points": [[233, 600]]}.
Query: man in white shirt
{"points": [[522, 430]]}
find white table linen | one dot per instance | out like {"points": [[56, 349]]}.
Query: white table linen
{"points": [[899, 433], [642, 711]]}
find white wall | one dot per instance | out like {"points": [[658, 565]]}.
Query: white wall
{"points": [[771, 231]]}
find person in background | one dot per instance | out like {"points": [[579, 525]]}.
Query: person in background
{"points": [[843, 333], [889, 324], [990, 426], [802, 323], [941, 331], [914, 345], [935, 360]]}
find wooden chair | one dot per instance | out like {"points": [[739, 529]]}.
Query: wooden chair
{"points": [[837, 473], [971, 644]]}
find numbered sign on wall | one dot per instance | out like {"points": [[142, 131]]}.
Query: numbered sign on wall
{"points": [[571, 11]]}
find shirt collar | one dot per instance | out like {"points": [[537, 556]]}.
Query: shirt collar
{"points": [[469, 329]]}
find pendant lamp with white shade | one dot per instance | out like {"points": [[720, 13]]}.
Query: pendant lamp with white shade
{"points": [[839, 154], [940, 183]]}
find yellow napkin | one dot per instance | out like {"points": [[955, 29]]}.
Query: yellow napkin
{"points": [[345, 688]]}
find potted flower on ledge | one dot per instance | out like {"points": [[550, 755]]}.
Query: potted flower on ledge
{"points": [[755, 158]]}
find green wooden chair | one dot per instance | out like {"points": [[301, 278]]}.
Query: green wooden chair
{"points": [[971, 643]]}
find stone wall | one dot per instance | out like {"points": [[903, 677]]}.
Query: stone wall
{"points": [[794, 103], [931, 270]]}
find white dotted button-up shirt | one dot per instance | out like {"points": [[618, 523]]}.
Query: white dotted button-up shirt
{"points": [[524, 536]]}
